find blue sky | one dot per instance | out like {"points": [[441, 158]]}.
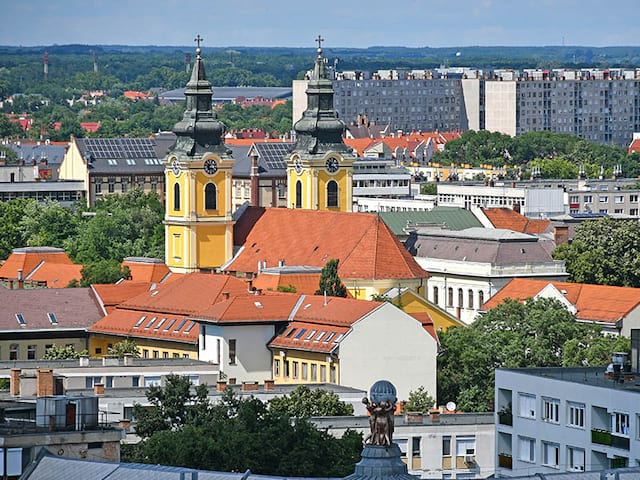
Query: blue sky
{"points": [[343, 23]]}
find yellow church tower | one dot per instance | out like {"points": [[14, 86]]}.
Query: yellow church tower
{"points": [[320, 167], [198, 221]]}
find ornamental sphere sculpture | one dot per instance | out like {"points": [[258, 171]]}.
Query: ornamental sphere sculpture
{"points": [[381, 406]]}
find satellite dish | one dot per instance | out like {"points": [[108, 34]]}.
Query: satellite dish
{"points": [[451, 406]]}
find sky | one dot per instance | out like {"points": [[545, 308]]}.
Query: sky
{"points": [[342, 23]]}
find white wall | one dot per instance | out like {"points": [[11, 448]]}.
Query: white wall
{"points": [[500, 106], [388, 344]]}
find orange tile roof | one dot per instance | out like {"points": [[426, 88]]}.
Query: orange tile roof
{"points": [[306, 283], [310, 337], [511, 220], [56, 275], [253, 309], [634, 146], [147, 270], [366, 248], [333, 310], [187, 295], [359, 144], [110, 295], [599, 303], [154, 325], [48, 264]]}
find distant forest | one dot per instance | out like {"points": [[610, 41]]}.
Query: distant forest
{"points": [[146, 67]]}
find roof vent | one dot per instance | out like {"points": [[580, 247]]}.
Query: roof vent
{"points": [[257, 304]]}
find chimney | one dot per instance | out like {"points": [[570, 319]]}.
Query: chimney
{"points": [[128, 359], [44, 382], [254, 178], [15, 382], [20, 279], [561, 234], [98, 389]]}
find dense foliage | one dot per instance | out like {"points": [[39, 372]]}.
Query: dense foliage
{"points": [[603, 251], [419, 401], [235, 434], [557, 155], [127, 346], [304, 402], [99, 238], [536, 333], [62, 352]]}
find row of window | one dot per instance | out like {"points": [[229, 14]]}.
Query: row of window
{"points": [[309, 371], [136, 381], [550, 454], [332, 194], [450, 295]]}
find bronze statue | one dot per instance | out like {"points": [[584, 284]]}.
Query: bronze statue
{"points": [[380, 421]]}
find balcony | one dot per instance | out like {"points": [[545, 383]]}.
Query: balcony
{"points": [[505, 418], [505, 460], [604, 437]]}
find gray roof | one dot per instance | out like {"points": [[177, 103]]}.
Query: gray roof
{"points": [[228, 94], [74, 308], [117, 155], [271, 158], [49, 467], [37, 151], [483, 245]]}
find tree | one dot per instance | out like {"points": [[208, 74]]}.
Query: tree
{"points": [[534, 333], [419, 401], [603, 251], [124, 347], [304, 402], [11, 234], [62, 352], [103, 271], [330, 282], [594, 351], [231, 435]]}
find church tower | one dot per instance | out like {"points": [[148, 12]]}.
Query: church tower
{"points": [[198, 222], [320, 167]]}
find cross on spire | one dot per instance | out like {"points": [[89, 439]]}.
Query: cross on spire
{"points": [[198, 39], [319, 40]]}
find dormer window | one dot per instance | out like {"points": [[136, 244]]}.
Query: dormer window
{"points": [[52, 318], [20, 320]]}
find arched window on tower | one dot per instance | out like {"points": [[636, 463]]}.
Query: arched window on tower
{"points": [[480, 298], [176, 196], [298, 194], [332, 194], [210, 197]]}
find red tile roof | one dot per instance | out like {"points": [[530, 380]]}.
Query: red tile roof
{"points": [[90, 126], [600, 303], [427, 323], [310, 337], [110, 295], [154, 325], [48, 264], [147, 269], [306, 283], [365, 246], [634, 146], [511, 220]]}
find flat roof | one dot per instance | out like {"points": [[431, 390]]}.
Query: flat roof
{"points": [[591, 376]]}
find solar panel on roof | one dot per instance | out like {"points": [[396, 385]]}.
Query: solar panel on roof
{"points": [[128, 148], [273, 154]]}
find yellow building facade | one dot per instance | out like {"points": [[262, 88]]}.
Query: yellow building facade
{"points": [[296, 366], [99, 345]]}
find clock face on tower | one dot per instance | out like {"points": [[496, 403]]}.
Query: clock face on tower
{"points": [[175, 166], [210, 166], [297, 165], [332, 165]]}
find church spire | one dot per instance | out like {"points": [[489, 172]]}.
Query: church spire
{"points": [[199, 131], [320, 130]]}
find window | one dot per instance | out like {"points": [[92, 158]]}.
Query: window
{"points": [[109, 382], [287, 367], [20, 319], [145, 353], [195, 380], [14, 351], [527, 405], [618, 199], [165, 354], [210, 197], [298, 194], [526, 449], [551, 410], [449, 298], [470, 299], [415, 446], [465, 446], [575, 415], [604, 199], [52, 318], [633, 198], [176, 196], [460, 298], [91, 381], [156, 354], [332, 194], [314, 372], [151, 381], [446, 446], [588, 199], [333, 374], [323, 373], [112, 184], [31, 352], [550, 454], [435, 295], [575, 459], [232, 351], [480, 298], [620, 424], [295, 369], [135, 381], [305, 370], [276, 367]]}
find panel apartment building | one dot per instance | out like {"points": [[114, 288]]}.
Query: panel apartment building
{"points": [[599, 105]]}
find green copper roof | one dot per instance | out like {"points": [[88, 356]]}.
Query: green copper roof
{"points": [[452, 218]]}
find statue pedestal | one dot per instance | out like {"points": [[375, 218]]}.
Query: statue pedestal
{"points": [[380, 462]]}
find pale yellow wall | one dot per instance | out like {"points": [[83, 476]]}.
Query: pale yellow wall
{"points": [[364, 289], [73, 166], [99, 345], [412, 303], [41, 344], [212, 245], [308, 358]]}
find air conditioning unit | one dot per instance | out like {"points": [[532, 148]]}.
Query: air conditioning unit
{"points": [[469, 459]]}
